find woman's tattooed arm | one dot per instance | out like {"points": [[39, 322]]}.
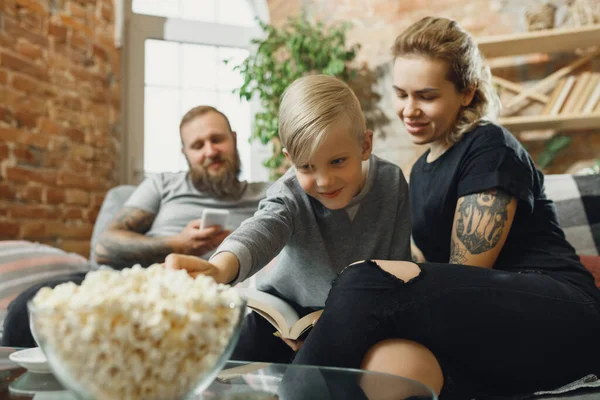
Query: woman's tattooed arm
{"points": [[481, 224]]}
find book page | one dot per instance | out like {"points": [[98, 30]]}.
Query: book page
{"points": [[303, 324], [280, 312]]}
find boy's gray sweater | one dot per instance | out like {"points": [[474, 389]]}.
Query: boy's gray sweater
{"points": [[314, 243]]}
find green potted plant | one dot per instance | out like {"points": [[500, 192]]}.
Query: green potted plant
{"points": [[284, 54]]}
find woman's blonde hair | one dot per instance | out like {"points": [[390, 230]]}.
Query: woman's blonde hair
{"points": [[309, 107], [443, 39]]}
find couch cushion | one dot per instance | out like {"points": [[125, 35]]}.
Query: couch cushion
{"points": [[24, 264], [577, 199], [113, 201]]}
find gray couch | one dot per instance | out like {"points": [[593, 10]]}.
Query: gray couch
{"points": [[113, 201]]}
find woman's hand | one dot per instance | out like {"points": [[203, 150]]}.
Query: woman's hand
{"points": [[417, 254], [296, 344]]}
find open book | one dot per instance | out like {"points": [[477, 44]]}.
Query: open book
{"points": [[279, 313]]}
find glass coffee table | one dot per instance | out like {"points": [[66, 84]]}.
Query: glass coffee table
{"points": [[242, 381]]}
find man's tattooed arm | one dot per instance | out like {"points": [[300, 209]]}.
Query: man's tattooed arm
{"points": [[481, 224], [124, 244]]}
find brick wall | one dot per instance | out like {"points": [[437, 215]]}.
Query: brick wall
{"points": [[280, 10], [59, 115], [377, 22]]}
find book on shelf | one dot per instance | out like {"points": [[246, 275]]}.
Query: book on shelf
{"points": [[579, 86], [562, 96], [553, 96], [593, 101], [280, 314], [592, 82]]}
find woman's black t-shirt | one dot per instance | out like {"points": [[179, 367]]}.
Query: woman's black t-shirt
{"points": [[489, 157]]}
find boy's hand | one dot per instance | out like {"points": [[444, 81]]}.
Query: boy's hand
{"points": [[193, 265], [224, 268]]}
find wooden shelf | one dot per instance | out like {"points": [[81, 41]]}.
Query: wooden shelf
{"points": [[546, 41], [556, 122]]}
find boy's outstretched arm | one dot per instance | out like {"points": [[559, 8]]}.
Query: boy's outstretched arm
{"points": [[251, 246], [260, 238]]}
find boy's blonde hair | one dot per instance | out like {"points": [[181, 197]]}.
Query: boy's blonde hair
{"points": [[309, 107], [443, 39]]}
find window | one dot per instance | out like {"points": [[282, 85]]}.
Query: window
{"points": [[175, 61], [230, 12], [180, 76]]}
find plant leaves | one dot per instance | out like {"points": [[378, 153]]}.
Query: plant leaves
{"points": [[553, 146], [284, 54]]}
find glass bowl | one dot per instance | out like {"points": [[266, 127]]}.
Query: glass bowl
{"points": [[102, 367]]}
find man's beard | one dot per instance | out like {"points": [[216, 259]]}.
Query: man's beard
{"points": [[224, 184]]}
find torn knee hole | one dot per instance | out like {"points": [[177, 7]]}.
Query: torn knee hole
{"points": [[405, 271]]}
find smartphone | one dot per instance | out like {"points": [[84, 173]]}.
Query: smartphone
{"points": [[214, 216]]}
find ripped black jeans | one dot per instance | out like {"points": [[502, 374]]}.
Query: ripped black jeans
{"points": [[492, 331]]}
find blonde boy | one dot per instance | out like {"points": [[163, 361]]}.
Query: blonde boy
{"points": [[338, 204]]}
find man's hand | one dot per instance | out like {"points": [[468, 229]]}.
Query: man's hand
{"points": [[220, 271], [195, 241]]}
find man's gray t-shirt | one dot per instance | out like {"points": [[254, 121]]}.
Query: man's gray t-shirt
{"points": [[315, 243], [176, 201]]}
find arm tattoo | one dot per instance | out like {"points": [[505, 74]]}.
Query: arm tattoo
{"points": [[133, 219], [457, 253], [481, 220], [124, 244]]}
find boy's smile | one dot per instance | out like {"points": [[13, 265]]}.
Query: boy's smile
{"points": [[331, 195], [335, 174]]}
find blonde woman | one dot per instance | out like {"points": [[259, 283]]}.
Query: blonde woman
{"points": [[500, 304]]}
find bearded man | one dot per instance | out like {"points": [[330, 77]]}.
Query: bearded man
{"points": [[163, 214]]}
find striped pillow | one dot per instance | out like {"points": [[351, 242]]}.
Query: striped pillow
{"points": [[24, 264]]}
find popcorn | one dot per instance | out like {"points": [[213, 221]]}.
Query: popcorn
{"points": [[137, 333]]}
